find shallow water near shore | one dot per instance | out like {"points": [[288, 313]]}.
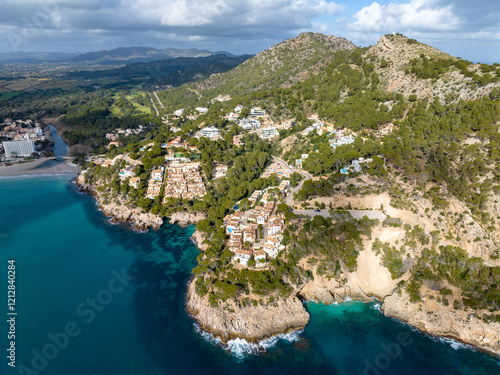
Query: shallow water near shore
{"points": [[113, 302]]}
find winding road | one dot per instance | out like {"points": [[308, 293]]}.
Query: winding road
{"points": [[356, 214], [296, 189]]}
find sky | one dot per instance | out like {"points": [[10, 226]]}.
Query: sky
{"points": [[469, 29]]}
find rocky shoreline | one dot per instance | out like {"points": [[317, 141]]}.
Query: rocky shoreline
{"points": [[257, 323], [185, 219], [252, 323], [370, 281], [198, 238], [118, 212], [432, 318]]}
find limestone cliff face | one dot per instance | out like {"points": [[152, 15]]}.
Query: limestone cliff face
{"points": [[253, 323], [186, 218], [198, 237], [398, 52], [431, 316], [118, 210], [134, 216], [370, 280]]}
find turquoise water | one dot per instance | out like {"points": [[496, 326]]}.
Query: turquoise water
{"points": [[113, 301]]}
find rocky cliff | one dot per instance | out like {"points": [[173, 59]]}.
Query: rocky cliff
{"points": [[372, 279], [252, 323], [186, 218], [199, 237], [118, 211], [121, 213], [258, 323], [431, 316]]}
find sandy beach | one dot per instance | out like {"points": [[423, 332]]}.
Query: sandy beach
{"points": [[42, 166]]}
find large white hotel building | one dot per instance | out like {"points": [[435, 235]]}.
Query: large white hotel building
{"points": [[18, 148]]}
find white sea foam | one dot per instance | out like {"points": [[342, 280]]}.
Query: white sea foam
{"points": [[207, 336], [376, 306], [347, 299], [453, 343], [241, 348]]}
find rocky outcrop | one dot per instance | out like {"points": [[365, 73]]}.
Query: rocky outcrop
{"points": [[186, 218], [328, 290], [371, 278], [199, 237], [399, 51], [118, 211], [432, 317], [252, 323], [121, 213]]}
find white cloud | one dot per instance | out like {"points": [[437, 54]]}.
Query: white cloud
{"points": [[218, 13], [242, 26], [415, 15], [226, 18]]}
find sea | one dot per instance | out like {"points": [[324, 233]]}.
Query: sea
{"points": [[96, 298]]}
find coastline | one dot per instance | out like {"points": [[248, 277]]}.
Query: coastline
{"points": [[469, 345], [118, 212], [37, 167], [255, 324], [228, 324]]}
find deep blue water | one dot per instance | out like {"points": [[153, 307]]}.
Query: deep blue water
{"points": [[120, 295]]}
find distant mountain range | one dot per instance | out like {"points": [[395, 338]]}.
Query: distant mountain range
{"points": [[35, 57], [117, 56], [171, 71], [130, 55]]}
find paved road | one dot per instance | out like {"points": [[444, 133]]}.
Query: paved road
{"points": [[307, 176], [303, 173], [357, 214], [292, 192], [197, 93]]}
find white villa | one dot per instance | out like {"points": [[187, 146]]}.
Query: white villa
{"points": [[269, 132], [210, 132], [242, 255], [256, 112]]}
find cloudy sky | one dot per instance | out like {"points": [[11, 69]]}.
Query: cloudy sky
{"points": [[464, 28]]}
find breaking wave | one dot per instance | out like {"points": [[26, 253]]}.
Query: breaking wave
{"points": [[457, 345], [241, 348]]}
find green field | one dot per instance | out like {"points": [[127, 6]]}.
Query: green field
{"points": [[9, 95], [129, 103], [22, 84]]}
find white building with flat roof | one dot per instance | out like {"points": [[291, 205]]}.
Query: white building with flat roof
{"points": [[18, 148], [256, 112], [269, 132], [210, 132]]}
